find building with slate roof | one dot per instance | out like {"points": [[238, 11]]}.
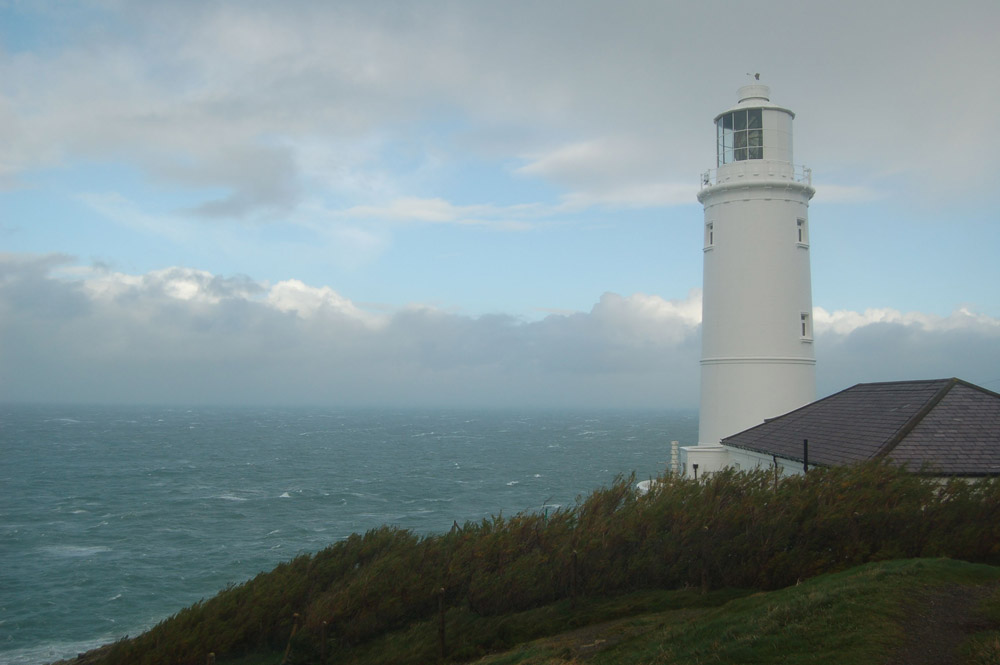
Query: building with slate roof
{"points": [[757, 333], [944, 427]]}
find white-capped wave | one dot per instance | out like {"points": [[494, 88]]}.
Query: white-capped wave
{"points": [[285, 495], [52, 651], [76, 550], [230, 497]]}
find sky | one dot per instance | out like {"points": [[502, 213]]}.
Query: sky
{"points": [[472, 203]]}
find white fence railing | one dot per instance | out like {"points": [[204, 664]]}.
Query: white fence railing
{"points": [[753, 169]]}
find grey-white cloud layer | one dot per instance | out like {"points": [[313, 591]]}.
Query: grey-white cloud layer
{"points": [[254, 103], [184, 336]]}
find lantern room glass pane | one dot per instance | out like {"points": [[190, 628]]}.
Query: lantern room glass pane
{"points": [[724, 132], [755, 143], [719, 145], [739, 120], [740, 140]]}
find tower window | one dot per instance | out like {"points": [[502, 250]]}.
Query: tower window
{"points": [[709, 234], [740, 136], [806, 326], [802, 229]]}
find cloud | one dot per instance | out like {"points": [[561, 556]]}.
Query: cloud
{"points": [[648, 195], [844, 322], [888, 345], [177, 283], [307, 302], [119, 209], [609, 172], [266, 182], [439, 211], [833, 193], [589, 162], [181, 335], [603, 100], [74, 333], [519, 217]]}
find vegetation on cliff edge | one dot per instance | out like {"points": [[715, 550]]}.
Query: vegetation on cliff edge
{"points": [[737, 530]]}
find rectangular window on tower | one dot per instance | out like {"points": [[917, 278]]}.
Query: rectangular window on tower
{"points": [[709, 235], [806, 327], [802, 231]]}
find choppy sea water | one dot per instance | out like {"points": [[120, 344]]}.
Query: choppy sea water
{"points": [[114, 518]]}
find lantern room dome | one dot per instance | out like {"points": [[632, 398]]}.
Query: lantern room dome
{"points": [[757, 96]]}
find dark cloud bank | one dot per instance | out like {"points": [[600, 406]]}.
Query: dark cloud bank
{"points": [[187, 337]]}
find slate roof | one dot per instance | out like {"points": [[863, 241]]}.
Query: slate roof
{"points": [[948, 426]]}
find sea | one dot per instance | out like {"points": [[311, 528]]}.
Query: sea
{"points": [[115, 518]]}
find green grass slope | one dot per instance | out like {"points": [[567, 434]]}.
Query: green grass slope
{"points": [[859, 616]]}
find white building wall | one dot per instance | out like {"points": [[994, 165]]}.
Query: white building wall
{"points": [[746, 460], [756, 362]]}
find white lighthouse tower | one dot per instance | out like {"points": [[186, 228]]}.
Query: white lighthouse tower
{"points": [[757, 351]]}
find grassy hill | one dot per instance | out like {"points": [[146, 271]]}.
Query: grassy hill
{"points": [[915, 611], [663, 566]]}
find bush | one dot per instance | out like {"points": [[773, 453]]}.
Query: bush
{"points": [[729, 529]]}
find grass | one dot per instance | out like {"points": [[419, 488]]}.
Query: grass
{"points": [[470, 636], [854, 617], [847, 618], [983, 648]]}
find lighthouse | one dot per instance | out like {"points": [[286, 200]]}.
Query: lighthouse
{"points": [[757, 324]]}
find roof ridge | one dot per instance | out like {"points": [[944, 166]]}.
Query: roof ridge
{"points": [[908, 426], [903, 382], [975, 387]]}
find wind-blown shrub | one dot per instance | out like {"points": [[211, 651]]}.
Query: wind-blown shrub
{"points": [[729, 529]]}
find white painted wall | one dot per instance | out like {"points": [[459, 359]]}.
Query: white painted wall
{"points": [[746, 460]]}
